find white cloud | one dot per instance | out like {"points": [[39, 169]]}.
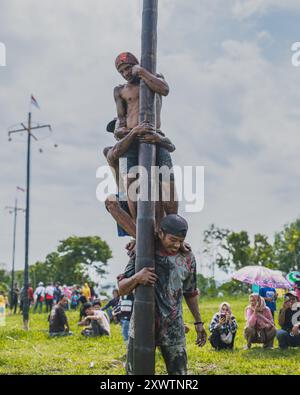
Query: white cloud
{"points": [[229, 109], [245, 8]]}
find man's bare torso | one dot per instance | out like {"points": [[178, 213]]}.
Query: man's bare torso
{"points": [[130, 93]]}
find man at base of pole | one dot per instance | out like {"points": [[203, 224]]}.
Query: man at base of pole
{"points": [[174, 277]]}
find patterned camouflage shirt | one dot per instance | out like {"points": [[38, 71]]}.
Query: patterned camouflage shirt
{"points": [[176, 278]]}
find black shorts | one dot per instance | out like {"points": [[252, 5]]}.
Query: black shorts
{"points": [[130, 159]]}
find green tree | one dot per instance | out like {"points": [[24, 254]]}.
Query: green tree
{"points": [[207, 286], [234, 287], [69, 264], [88, 251], [262, 253], [215, 244], [239, 249], [287, 247], [5, 280]]}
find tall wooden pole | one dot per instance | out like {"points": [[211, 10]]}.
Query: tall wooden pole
{"points": [[144, 342]]}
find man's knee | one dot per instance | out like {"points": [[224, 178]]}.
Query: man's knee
{"points": [[111, 202], [272, 332], [282, 335], [249, 332], [175, 359]]}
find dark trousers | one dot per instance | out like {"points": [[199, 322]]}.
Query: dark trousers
{"points": [[266, 336], [175, 358], [285, 340], [218, 344], [95, 330], [40, 304], [14, 305], [49, 304]]}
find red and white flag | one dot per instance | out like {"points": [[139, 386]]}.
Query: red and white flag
{"points": [[34, 102], [20, 189]]}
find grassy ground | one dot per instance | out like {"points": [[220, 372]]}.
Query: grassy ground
{"points": [[35, 353]]}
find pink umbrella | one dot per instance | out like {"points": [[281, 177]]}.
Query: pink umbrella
{"points": [[261, 276]]}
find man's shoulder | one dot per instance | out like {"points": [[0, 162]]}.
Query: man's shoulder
{"points": [[187, 256], [160, 75], [118, 89]]}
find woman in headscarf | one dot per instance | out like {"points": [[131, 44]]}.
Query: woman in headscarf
{"points": [[223, 328], [260, 327]]}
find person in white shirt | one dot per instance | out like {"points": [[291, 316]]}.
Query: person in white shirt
{"points": [[49, 296], [39, 296], [98, 319]]}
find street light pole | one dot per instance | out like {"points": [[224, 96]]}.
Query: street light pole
{"points": [[29, 130], [14, 210], [144, 306]]}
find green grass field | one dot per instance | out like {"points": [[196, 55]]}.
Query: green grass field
{"points": [[34, 352]]}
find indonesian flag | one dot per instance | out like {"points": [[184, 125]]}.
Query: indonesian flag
{"points": [[34, 102], [20, 189]]}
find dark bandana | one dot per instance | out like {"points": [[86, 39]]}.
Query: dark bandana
{"points": [[126, 58]]}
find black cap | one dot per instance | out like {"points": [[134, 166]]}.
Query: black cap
{"points": [[175, 225], [111, 126], [87, 305], [97, 302]]}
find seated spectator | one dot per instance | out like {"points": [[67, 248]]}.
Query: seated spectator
{"points": [[289, 320], [96, 320], [97, 304], [223, 328], [58, 322], [110, 306], [83, 301], [260, 326], [296, 289]]}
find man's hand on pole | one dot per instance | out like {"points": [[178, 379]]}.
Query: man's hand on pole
{"points": [[146, 276]]}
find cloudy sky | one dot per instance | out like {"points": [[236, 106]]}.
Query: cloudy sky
{"points": [[233, 108]]}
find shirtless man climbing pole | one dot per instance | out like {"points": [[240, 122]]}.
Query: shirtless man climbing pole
{"points": [[127, 102], [114, 203]]}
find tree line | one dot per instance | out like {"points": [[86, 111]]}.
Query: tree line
{"points": [[69, 264], [223, 248], [230, 251]]}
